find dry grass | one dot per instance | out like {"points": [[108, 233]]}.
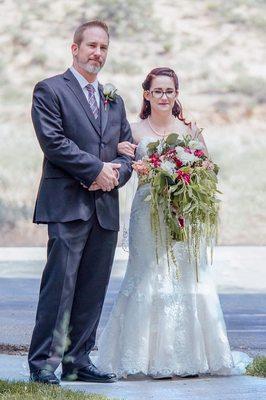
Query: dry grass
{"points": [[258, 367], [33, 391]]}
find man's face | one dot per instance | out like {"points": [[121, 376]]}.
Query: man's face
{"points": [[91, 54]]}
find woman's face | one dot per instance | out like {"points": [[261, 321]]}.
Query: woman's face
{"points": [[162, 94]]}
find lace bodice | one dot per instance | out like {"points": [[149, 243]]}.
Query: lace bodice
{"points": [[141, 150]]}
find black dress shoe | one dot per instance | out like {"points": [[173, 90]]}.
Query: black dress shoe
{"points": [[44, 376], [89, 374]]}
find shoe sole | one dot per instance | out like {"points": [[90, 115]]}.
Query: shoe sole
{"points": [[44, 383], [83, 379]]}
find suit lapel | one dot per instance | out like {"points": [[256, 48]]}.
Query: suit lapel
{"points": [[104, 110], [73, 84]]}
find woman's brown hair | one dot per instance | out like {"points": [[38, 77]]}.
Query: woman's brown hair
{"points": [[177, 110]]}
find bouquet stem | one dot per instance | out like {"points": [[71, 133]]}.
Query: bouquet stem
{"points": [[197, 272]]}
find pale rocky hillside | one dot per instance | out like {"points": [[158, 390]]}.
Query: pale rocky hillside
{"points": [[217, 49]]}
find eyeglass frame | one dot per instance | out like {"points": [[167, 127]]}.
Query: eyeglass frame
{"points": [[163, 92]]}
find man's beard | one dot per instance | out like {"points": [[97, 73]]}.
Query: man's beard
{"points": [[91, 69]]}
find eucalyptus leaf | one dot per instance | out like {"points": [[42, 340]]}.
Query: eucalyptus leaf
{"points": [[152, 147], [172, 139]]}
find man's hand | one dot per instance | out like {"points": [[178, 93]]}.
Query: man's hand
{"points": [[94, 186], [108, 177], [127, 148], [114, 181]]}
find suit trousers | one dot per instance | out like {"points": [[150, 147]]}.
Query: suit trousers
{"points": [[74, 282]]}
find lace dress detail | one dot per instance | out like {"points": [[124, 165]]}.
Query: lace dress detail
{"points": [[161, 325]]}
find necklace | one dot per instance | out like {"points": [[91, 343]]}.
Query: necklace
{"points": [[153, 129]]}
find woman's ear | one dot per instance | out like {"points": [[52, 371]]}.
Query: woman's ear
{"points": [[146, 95]]}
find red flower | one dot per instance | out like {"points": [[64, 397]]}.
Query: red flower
{"points": [[198, 153], [106, 101], [181, 222], [178, 162], [155, 160], [184, 176], [170, 152]]}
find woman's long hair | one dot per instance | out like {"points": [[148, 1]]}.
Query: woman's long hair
{"points": [[177, 110]]}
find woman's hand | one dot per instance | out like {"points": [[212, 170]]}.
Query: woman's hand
{"points": [[127, 149]]}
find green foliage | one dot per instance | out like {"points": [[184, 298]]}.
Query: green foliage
{"points": [[33, 391], [257, 367], [172, 139], [194, 202], [126, 18], [250, 86], [152, 146], [248, 13], [123, 67], [167, 47]]}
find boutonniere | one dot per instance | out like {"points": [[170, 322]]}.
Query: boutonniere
{"points": [[109, 92]]}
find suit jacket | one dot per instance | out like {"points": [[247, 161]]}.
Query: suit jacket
{"points": [[75, 145]]}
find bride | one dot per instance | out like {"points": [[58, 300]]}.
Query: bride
{"points": [[161, 325]]}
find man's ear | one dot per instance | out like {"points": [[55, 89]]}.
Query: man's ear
{"points": [[74, 49]]}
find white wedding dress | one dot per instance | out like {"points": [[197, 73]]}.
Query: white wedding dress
{"points": [[160, 325]]}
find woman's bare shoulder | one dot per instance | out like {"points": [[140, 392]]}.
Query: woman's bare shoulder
{"points": [[137, 129], [136, 125]]}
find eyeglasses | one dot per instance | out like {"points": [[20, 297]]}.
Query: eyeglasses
{"points": [[158, 93]]}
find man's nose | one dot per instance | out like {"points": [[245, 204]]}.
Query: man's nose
{"points": [[164, 95], [97, 51]]}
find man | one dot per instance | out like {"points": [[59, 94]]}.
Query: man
{"points": [[78, 131]]}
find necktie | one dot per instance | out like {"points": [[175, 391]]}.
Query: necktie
{"points": [[92, 100]]}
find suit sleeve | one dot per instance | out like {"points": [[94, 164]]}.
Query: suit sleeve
{"points": [[126, 162], [57, 148]]}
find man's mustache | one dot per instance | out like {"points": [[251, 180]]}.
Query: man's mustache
{"points": [[99, 60]]}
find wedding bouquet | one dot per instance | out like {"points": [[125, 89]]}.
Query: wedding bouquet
{"points": [[183, 182]]}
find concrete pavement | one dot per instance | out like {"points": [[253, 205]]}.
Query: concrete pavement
{"points": [[203, 388], [240, 275], [239, 272], [245, 314]]}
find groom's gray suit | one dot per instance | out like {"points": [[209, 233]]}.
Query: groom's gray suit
{"points": [[82, 224]]}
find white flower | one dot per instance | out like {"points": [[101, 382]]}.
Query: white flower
{"points": [[195, 145], [184, 156], [160, 147], [180, 152], [187, 157], [179, 149], [109, 90], [168, 166]]}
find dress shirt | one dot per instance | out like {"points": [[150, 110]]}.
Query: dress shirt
{"points": [[83, 83]]}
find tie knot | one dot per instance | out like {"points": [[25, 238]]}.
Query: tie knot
{"points": [[90, 88]]}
